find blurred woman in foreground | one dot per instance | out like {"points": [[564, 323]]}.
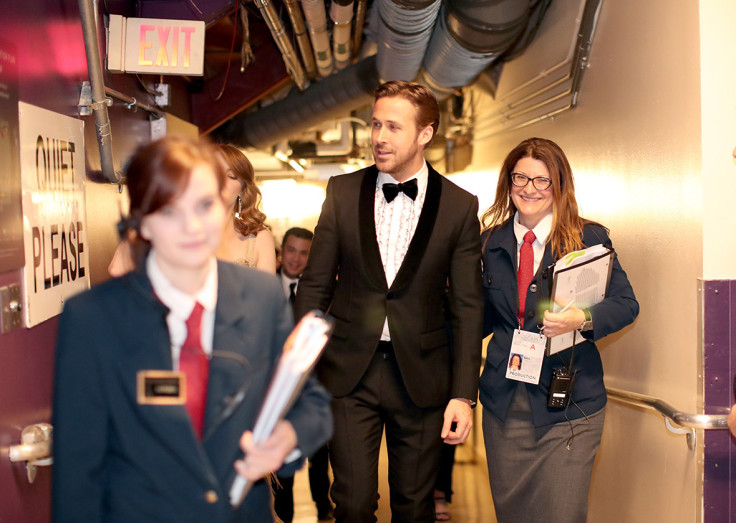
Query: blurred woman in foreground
{"points": [[160, 373]]}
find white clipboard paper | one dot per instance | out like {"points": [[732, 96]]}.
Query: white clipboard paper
{"points": [[581, 276], [301, 351]]}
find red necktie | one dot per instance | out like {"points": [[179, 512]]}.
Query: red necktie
{"points": [[194, 364], [526, 271]]}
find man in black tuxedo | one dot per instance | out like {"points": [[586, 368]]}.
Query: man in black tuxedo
{"points": [[390, 239], [294, 254]]}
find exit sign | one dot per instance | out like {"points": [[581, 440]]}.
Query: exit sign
{"points": [[156, 46]]}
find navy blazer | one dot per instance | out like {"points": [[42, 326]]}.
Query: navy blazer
{"points": [[345, 275], [618, 309], [116, 460]]}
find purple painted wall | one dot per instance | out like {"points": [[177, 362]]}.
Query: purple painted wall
{"points": [[51, 66], [719, 326]]}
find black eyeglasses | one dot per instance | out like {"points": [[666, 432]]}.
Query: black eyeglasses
{"points": [[521, 180]]}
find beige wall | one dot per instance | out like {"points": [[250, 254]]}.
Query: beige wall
{"points": [[639, 144], [718, 78]]}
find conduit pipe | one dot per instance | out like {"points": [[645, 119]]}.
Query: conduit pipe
{"points": [[359, 21], [341, 13], [314, 12], [468, 37], [302, 39], [97, 83], [293, 67], [404, 30], [332, 97]]}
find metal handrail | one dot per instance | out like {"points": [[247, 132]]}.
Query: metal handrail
{"points": [[677, 422], [684, 419]]}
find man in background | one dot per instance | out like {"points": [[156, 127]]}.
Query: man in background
{"points": [[294, 254]]}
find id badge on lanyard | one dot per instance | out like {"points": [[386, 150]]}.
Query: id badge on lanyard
{"points": [[526, 356]]}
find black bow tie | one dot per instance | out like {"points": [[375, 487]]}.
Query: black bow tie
{"points": [[392, 190]]}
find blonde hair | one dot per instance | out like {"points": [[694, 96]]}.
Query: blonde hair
{"points": [[248, 218]]}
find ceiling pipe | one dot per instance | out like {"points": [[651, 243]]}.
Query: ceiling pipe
{"points": [[469, 36], [404, 30], [314, 12], [341, 13], [293, 66], [465, 23], [302, 39], [97, 83], [359, 21], [332, 97]]}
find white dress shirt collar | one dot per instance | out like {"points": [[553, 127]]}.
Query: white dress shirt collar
{"points": [[181, 304], [541, 232], [421, 175]]}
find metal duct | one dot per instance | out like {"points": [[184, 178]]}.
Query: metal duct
{"points": [[468, 37], [341, 13], [314, 12], [332, 97], [403, 34]]}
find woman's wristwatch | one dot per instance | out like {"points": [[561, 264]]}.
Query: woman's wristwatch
{"points": [[587, 325]]}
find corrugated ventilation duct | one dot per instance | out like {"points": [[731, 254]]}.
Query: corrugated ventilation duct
{"points": [[468, 36], [332, 97], [403, 34]]}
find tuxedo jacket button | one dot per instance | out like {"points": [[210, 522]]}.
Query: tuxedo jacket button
{"points": [[533, 287], [390, 296], [210, 496]]}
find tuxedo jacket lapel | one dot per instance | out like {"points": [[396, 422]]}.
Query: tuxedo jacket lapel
{"points": [[423, 232], [367, 225], [236, 355]]}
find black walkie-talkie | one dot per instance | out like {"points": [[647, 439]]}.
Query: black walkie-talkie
{"points": [[560, 388]]}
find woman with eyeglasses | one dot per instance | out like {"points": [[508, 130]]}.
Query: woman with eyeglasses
{"points": [[540, 458], [160, 373]]}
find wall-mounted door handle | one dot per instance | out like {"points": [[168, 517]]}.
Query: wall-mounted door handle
{"points": [[35, 448]]}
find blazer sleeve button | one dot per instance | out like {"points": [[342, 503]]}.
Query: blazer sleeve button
{"points": [[210, 496]]}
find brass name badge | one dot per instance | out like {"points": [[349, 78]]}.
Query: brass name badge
{"points": [[161, 387]]}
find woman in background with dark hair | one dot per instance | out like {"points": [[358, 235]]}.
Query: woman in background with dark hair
{"points": [[245, 238], [160, 373], [540, 458]]}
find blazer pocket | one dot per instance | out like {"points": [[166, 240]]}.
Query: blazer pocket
{"points": [[341, 330], [433, 339]]}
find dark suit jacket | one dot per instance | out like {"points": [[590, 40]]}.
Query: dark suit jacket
{"points": [[117, 460], [443, 248], [618, 309]]}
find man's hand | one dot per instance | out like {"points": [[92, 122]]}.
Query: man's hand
{"points": [[458, 411], [261, 460]]}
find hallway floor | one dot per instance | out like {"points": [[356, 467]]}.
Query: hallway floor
{"points": [[471, 501]]}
